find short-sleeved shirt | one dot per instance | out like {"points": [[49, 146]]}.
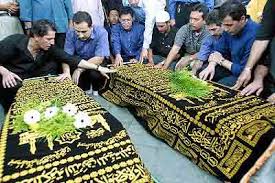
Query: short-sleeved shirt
{"points": [[16, 57], [189, 39], [96, 45], [162, 43]]}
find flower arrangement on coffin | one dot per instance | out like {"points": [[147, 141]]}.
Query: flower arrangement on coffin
{"points": [[51, 120], [184, 84]]}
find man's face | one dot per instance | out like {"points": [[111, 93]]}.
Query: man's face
{"points": [[215, 30], [82, 30], [162, 26], [45, 42], [133, 2], [231, 26], [126, 21], [113, 17], [196, 20]]}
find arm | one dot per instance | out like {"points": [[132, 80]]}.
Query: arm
{"points": [[172, 9], [100, 13], [69, 10], [116, 45], [257, 85], [140, 42], [206, 49], [171, 56], [26, 10], [210, 4]]}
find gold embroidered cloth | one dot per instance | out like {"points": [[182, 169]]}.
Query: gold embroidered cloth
{"points": [[223, 133], [103, 153]]}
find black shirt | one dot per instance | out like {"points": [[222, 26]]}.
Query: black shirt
{"points": [[161, 43], [267, 30], [15, 56]]}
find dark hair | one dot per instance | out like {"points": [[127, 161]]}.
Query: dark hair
{"points": [[232, 8], [213, 18], [126, 11], [82, 16], [200, 7], [42, 27], [113, 9]]}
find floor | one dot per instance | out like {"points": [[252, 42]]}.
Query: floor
{"points": [[165, 164]]}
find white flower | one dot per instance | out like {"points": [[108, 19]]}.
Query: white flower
{"points": [[70, 109], [51, 112], [31, 117], [82, 120]]}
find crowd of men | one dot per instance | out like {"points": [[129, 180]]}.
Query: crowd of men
{"points": [[75, 39]]}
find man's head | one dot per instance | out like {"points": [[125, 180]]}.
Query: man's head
{"points": [[214, 24], [233, 16], [82, 23], [163, 21], [113, 16], [43, 33], [133, 2], [197, 16], [126, 18]]}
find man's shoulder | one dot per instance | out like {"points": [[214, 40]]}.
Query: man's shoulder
{"points": [[15, 39], [138, 25], [100, 31]]}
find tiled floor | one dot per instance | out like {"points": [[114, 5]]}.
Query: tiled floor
{"points": [[165, 164]]}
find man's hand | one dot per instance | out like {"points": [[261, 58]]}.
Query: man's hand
{"points": [[172, 22], [143, 55], [9, 79], [196, 65], [183, 62], [271, 98], [243, 79], [12, 7], [160, 65], [215, 57], [118, 61], [104, 71], [76, 75], [133, 60], [208, 72], [64, 76], [254, 87]]}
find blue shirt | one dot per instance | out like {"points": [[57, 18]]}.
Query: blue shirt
{"points": [[96, 45], [238, 47], [139, 14], [127, 43], [208, 46], [57, 11], [172, 5]]}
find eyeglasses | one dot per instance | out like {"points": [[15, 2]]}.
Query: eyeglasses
{"points": [[125, 20]]}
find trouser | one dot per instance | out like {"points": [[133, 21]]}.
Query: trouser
{"points": [[7, 96], [93, 77], [183, 11], [158, 58]]}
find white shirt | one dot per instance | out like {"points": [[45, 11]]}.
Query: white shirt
{"points": [[151, 7]]}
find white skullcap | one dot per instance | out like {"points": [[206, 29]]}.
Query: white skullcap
{"points": [[162, 16]]}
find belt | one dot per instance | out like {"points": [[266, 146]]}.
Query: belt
{"points": [[4, 14]]}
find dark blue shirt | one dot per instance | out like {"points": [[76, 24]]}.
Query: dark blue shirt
{"points": [[96, 45], [128, 43], [238, 46], [207, 47]]}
